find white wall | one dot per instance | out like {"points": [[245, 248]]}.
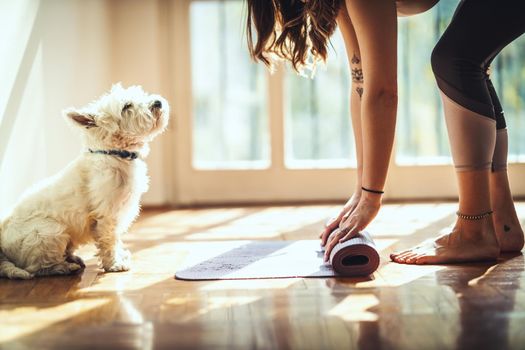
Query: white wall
{"points": [[60, 53], [141, 55]]}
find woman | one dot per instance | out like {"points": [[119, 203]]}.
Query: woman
{"points": [[299, 31], [487, 223], [285, 28]]}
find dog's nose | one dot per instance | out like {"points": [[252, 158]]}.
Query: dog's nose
{"points": [[157, 104]]}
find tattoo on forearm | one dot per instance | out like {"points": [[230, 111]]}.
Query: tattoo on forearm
{"points": [[359, 91], [506, 228], [357, 75]]}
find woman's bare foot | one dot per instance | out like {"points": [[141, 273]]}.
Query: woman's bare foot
{"points": [[506, 222], [470, 240]]}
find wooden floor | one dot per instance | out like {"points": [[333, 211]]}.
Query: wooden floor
{"points": [[476, 306]]}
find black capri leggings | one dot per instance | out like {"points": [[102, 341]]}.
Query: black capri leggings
{"points": [[479, 30]]}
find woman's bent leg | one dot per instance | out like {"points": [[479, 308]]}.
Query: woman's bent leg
{"points": [[477, 33]]}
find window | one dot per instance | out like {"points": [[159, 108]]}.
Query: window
{"points": [[280, 137], [230, 119], [318, 127], [508, 76], [421, 131]]}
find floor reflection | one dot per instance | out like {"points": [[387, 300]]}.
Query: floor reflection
{"points": [[486, 298]]}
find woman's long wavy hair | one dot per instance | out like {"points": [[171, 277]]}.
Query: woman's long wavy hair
{"points": [[291, 29]]}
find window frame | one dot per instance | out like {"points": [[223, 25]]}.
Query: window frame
{"points": [[277, 183]]}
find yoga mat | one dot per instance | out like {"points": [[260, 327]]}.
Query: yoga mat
{"points": [[279, 259]]}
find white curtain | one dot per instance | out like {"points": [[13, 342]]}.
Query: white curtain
{"points": [[50, 57], [60, 53]]}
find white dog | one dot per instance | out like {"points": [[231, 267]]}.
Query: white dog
{"points": [[96, 198]]}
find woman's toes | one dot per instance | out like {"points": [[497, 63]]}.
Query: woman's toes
{"points": [[396, 258], [411, 258], [396, 255], [400, 259], [405, 255], [424, 259]]}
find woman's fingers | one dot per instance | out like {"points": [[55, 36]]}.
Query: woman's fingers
{"points": [[334, 223], [350, 229], [328, 230], [333, 236], [346, 216], [330, 221], [331, 226], [350, 223], [353, 224], [351, 233], [345, 223], [334, 239]]}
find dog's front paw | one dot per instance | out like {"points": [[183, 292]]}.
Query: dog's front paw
{"points": [[118, 266], [75, 259], [20, 274], [121, 262], [75, 268]]}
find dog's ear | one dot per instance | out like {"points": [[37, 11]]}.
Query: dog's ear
{"points": [[80, 118]]}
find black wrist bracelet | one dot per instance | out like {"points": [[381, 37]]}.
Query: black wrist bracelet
{"points": [[372, 191]]}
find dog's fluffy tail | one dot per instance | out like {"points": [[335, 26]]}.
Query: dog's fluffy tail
{"points": [[10, 270]]}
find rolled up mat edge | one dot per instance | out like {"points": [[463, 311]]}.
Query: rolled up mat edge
{"points": [[362, 245]]}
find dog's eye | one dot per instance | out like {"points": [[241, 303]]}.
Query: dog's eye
{"points": [[127, 106]]}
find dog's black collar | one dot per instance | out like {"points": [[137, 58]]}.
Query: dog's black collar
{"points": [[117, 153]]}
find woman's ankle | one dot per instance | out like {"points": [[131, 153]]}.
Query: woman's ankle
{"points": [[476, 229], [500, 194]]}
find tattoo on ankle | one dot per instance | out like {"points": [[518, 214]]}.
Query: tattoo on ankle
{"points": [[359, 91], [506, 228], [355, 59]]}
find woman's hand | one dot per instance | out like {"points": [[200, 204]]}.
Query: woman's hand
{"points": [[354, 222], [333, 223]]}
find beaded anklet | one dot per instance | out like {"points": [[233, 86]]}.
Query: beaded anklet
{"points": [[473, 217]]}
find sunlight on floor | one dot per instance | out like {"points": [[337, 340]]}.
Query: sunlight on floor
{"points": [[395, 275], [211, 303], [185, 221], [124, 282], [257, 284], [24, 320], [354, 308], [267, 223], [383, 244], [404, 220]]}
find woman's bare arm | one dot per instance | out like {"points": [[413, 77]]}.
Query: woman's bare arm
{"points": [[375, 24], [355, 93]]}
